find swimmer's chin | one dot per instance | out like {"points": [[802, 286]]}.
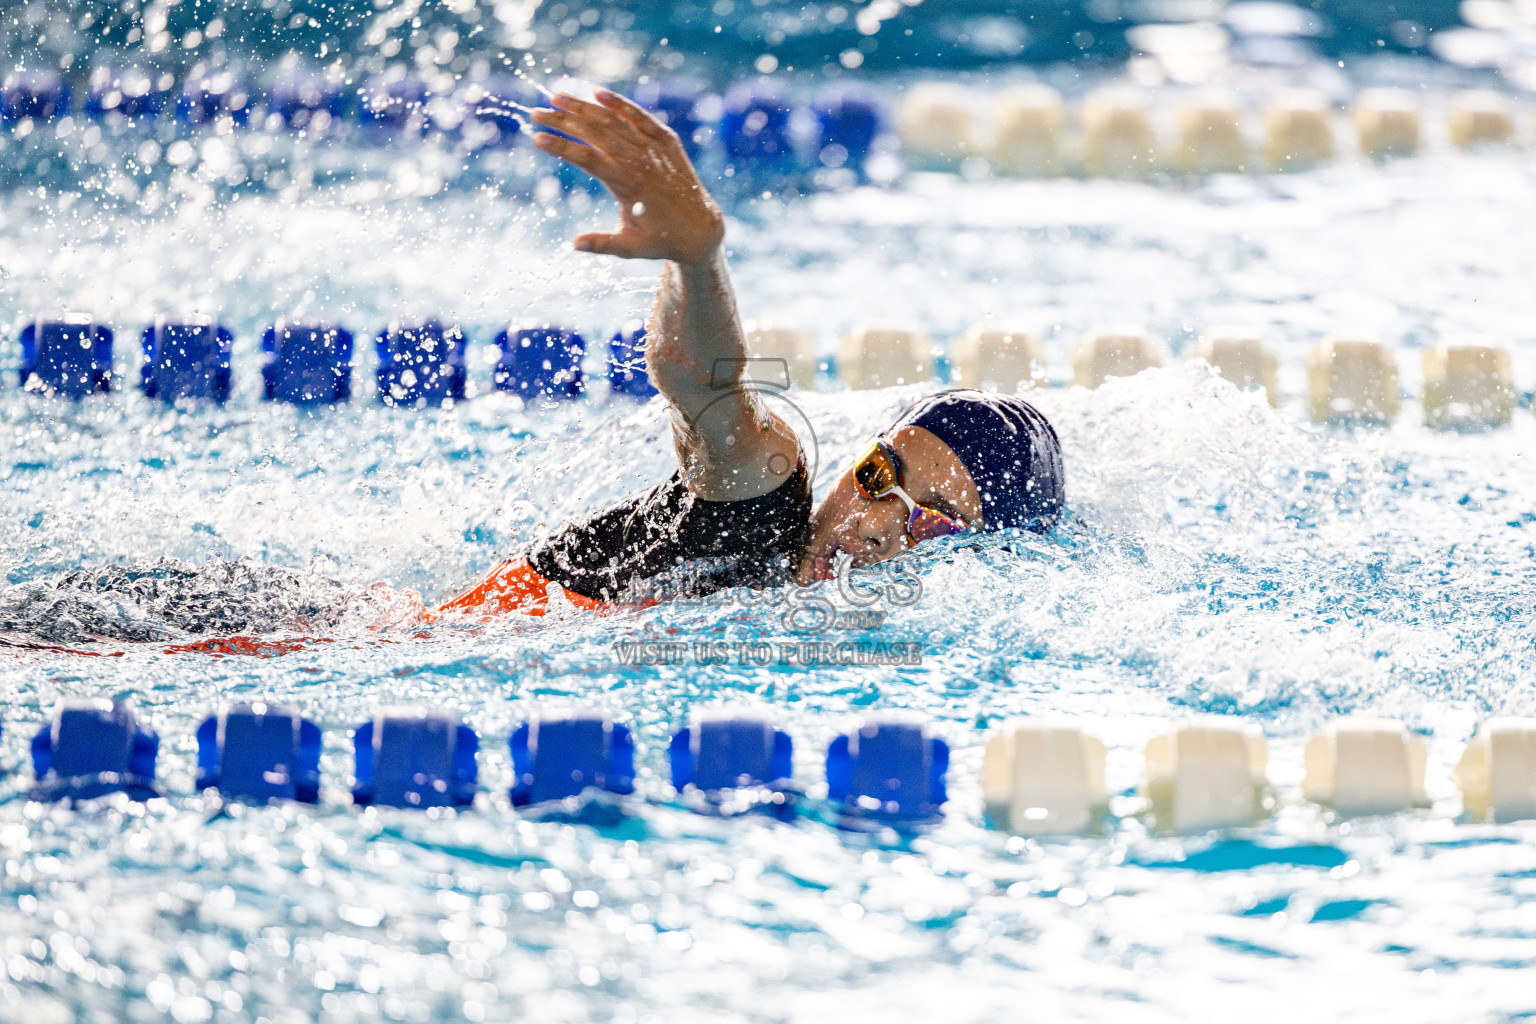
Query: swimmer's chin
{"points": [[818, 567]]}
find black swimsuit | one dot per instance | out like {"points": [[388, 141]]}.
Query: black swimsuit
{"points": [[668, 542]]}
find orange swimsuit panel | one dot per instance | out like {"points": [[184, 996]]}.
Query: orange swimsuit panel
{"points": [[513, 586]]}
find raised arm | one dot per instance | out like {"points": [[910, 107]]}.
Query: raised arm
{"points": [[729, 444]]}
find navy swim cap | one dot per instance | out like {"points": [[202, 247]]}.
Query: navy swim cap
{"points": [[1010, 450]]}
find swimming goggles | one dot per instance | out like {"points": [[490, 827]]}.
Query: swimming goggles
{"points": [[877, 474]]}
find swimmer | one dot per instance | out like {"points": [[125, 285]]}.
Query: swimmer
{"points": [[737, 511]]}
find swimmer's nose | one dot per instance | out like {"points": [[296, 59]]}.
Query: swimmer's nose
{"points": [[880, 532]]}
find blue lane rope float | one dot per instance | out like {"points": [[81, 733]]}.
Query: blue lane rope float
{"points": [[755, 129], [415, 757], [259, 752], [496, 106], [38, 95], [730, 760], [187, 360], [559, 755], [394, 106], [71, 357], [307, 363], [296, 100], [679, 105], [129, 94], [887, 772], [421, 362], [540, 362], [205, 98], [848, 120], [94, 747]]}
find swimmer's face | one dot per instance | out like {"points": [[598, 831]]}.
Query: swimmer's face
{"points": [[872, 531]]}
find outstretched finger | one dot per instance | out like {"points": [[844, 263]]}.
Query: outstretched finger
{"points": [[594, 161], [583, 129], [643, 120], [594, 113], [614, 119]]}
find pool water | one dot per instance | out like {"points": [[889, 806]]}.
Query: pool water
{"points": [[1221, 556]]}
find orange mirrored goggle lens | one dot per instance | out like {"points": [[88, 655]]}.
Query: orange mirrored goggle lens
{"points": [[875, 473]]}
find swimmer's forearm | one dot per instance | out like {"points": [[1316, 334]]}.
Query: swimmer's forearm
{"points": [[728, 444], [695, 343]]}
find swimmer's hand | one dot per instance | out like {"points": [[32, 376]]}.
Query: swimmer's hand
{"points": [[665, 213]]}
